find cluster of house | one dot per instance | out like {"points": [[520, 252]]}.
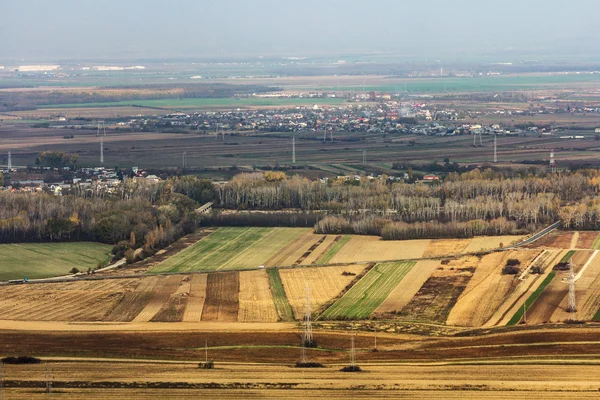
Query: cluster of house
{"points": [[101, 178]]}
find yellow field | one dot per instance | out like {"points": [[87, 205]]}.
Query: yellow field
{"points": [[482, 243], [325, 283], [488, 288], [445, 247], [256, 301], [408, 287], [372, 248]]}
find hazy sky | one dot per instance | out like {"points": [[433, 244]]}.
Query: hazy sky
{"points": [[62, 29]]}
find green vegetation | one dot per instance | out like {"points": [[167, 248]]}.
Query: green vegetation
{"points": [[567, 257], [231, 248], [368, 293], [44, 260], [337, 246], [202, 102], [529, 302], [596, 245], [596, 316], [282, 305]]}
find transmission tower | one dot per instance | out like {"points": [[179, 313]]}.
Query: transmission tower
{"points": [[307, 337], [352, 349], [49, 379], [183, 162], [331, 136], [572, 308], [475, 138], [9, 161], [101, 150], [324, 135], [364, 158], [293, 150]]}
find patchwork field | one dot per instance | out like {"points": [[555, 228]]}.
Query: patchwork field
{"points": [[43, 260], [368, 293], [372, 248], [231, 248]]}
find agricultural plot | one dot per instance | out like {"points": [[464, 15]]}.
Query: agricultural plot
{"points": [[373, 248], [488, 288], [222, 297], [231, 248], [439, 293], [197, 296], [587, 291], [173, 309], [334, 247], [408, 287], [282, 305], [555, 239], [587, 239], [445, 247], [482, 243], [72, 301], [255, 299], [161, 294], [43, 260], [132, 303], [369, 292], [325, 284], [290, 254], [321, 249]]}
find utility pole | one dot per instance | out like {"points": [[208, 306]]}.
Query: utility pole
{"points": [[101, 150], [572, 308], [495, 148], [183, 164], [307, 339], [9, 161], [205, 351], [324, 136], [364, 158], [49, 379], [293, 150], [352, 350]]}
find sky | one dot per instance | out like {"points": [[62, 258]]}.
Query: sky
{"points": [[130, 29]]}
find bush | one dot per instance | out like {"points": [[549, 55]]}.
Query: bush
{"points": [[21, 360], [351, 368], [74, 270], [513, 262], [206, 365], [346, 273], [309, 364], [510, 270]]}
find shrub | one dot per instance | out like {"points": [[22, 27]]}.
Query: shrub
{"points": [[309, 364], [510, 270], [206, 365], [21, 360], [351, 368], [74, 270], [513, 262]]}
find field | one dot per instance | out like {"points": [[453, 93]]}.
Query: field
{"points": [[231, 248], [324, 284], [43, 260], [256, 301], [282, 305], [372, 248], [222, 297], [368, 294]]}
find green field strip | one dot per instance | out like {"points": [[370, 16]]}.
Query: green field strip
{"points": [[213, 251], [369, 292], [596, 245], [44, 260], [265, 248], [567, 257], [596, 317], [529, 302], [282, 305], [333, 250]]}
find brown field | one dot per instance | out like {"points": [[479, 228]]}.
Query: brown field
{"points": [[132, 303], [555, 239], [373, 248], [488, 288], [173, 309], [161, 294], [445, 247], [435, 299], [255, 299], [408, 287], [482, 243], [587, 292], [222, 297], [321, 248], [325, 284], [197, 296], [586, 239]]}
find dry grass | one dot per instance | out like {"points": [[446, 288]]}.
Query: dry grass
{"points": [[373, 248], [408, 287], [445, 247], [325, 283], [256, 300], [482, 243], [195, 303]]}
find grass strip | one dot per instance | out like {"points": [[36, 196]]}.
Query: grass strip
{"points": [[529, 302], [567, 257], [282, 305], [596, 316], [325, 258], [596, 245]]}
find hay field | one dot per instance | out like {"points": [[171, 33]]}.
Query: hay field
{"points": [[290, 254], [325, 283], [408, 287], [222, 297], [482, 243], [488, 288], [197, 296], [174, 308], [255, 299], [369, 292], [319, 250], [72, 301], [445, 247], [161, 294], [231, 248], [373, 248], [437, 296], [44, 260]]}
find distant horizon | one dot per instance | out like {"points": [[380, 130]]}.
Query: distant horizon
{"points": [[152, 29]]}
